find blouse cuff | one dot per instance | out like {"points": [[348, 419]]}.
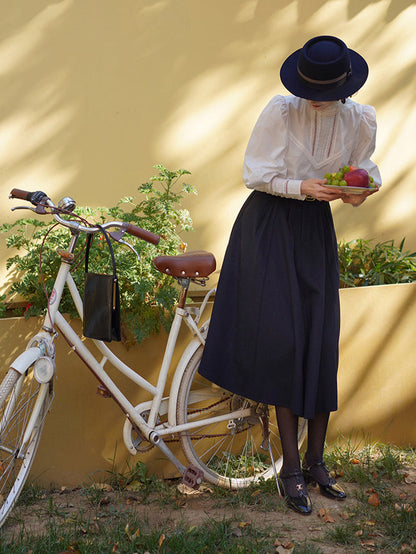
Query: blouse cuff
{"points": [[291, 188]]}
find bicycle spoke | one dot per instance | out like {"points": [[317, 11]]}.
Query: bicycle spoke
{"points": [[22, 412], [229, 452]]}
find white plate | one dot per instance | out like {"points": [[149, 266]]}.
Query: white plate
{"points": [[349, 190]]}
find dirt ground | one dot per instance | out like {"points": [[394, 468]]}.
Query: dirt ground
{"points": [[192, 508]]}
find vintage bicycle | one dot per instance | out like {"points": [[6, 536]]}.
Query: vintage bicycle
{"points": [[228, 440]]}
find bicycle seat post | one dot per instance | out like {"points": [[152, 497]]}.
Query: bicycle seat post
{"points": [[184, 283]]}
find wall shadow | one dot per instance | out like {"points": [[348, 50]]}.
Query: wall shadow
{"points": [[96, 92], [96, 87]]}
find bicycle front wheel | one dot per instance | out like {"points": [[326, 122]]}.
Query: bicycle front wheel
{"points": [[234, 451], [23, 407]]}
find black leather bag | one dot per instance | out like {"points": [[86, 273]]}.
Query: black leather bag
{"points": [[101, 304]]}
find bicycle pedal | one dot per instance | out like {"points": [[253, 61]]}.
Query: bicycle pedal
{"points": [[192, 477]]}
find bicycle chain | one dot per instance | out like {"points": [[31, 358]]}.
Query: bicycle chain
{"points": [[210, 406], [211, 436]]}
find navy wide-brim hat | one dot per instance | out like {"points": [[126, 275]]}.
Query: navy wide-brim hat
{"points": [[324, 70]]}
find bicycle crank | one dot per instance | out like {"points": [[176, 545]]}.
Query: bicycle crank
{"points": [[134, 440], [240, 424]]}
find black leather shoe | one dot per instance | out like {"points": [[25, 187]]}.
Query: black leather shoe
{"points": [[331, 489], [300, 503]]}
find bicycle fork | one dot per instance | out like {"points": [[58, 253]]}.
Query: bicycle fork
{"points": [[21, 364]]}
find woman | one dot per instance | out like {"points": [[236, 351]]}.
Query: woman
{"points": [[277, 303]]}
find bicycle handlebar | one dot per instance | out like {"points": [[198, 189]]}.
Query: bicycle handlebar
{"points": [[39, 197], [34, 197], [143, 234]]}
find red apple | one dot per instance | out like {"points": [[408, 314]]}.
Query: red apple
{"points": [[357, 178]]}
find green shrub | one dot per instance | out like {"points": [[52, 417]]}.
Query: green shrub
{"points": [[362, 263], [147, 296]]}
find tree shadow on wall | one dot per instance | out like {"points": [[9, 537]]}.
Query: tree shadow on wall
{"points": [[394, 9], [95, 93]]}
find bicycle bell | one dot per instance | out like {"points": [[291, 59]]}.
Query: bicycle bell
{"points": [[67, 203]]}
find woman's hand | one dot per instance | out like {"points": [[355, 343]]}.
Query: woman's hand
{"points": [[315, 188], [357, 199]]}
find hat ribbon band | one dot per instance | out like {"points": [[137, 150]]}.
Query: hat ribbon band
{"points": [[341, 79]]}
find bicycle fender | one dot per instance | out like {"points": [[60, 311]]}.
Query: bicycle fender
{"points": [[177, 378], [180, 368], [26, 359]]}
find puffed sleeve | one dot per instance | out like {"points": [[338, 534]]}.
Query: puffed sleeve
{"points": [[264, 162], [366, 143]]}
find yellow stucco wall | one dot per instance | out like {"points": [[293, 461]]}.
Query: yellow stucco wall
{"points": [[94, 93], [377, 368], [377, 388]]}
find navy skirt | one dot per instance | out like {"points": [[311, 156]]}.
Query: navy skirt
{"points": [[274, 330]]}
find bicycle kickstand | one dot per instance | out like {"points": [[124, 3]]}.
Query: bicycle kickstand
{"points": [[266, 445]]}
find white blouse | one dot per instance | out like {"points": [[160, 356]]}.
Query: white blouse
{"points": [[292, 142]]}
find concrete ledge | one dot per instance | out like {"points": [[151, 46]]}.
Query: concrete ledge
{"points": [[377, 387], [377, 369]]}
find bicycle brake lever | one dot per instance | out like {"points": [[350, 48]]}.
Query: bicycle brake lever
{"points": [[131, 248], [115, 236], [40, 209], [23, 208]]}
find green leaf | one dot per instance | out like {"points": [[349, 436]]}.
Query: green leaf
{"points": [[362, 264], [148, 297]]}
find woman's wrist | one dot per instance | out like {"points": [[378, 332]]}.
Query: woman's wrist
{"points": [[309, 186]]}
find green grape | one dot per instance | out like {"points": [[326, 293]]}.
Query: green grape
{"points": [[335, 182], [328, 176], [343, 183], [345, 169], [339, 175]]}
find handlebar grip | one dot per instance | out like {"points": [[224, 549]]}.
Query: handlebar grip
{"points": [[22, 194], [142, 234], [34, 197]]}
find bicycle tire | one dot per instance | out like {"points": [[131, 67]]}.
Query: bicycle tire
{"points": [[228, 452], [20, 405]]}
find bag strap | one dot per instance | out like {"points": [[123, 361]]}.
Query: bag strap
{"points": [[87, 252]]}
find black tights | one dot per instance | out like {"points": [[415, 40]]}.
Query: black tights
{"points": [[287, 422]]}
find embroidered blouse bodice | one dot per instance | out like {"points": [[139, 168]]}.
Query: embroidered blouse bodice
{"points": [[292, 142]]}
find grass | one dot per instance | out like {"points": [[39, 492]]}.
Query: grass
{"points": [[128, 535], [108, 522], [382, 518], [373, 463]]}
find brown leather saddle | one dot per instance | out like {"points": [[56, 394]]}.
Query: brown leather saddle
{"points": [[192, 265]]}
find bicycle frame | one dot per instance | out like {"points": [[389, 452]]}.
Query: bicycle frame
{"points": [[159, 404], [225, 454]]}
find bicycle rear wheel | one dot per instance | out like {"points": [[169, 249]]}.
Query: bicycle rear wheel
{"points": [[23, 407], [233, 452]]}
